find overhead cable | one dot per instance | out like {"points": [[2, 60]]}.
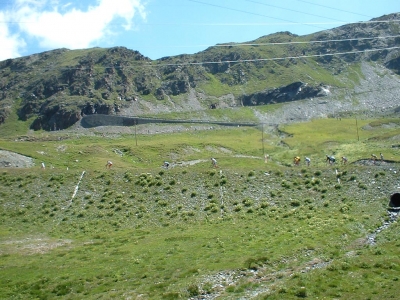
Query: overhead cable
{"points": [[247, 12], [307, 42], [297, 11], [276, 58], [334, 8]]}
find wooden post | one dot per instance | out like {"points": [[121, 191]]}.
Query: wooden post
{"points": [[135, 131], [358, 137], [262, 138]]}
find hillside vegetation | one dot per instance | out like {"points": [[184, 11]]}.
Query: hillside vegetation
{"points": [[55, 89], [247, 229]]}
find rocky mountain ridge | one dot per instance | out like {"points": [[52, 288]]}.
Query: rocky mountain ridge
{"points": [[55, 89]]}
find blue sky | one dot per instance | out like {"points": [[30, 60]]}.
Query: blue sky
{"points": [[159, 28]]}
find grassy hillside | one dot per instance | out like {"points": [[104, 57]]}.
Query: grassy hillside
{"points": [[247, 229], [54, 89], [270, 63]]}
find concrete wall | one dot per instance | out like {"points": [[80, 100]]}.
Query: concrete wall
{"points": [[95, 120]]}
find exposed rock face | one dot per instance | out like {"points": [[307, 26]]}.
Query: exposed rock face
{"points": [[59, 117], [104, 109], [291, 92], [394, 65], [360, 37], [60, 99], [55, 121]]}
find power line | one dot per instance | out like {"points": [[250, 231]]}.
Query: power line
{"points": [[250, 13], [305, 13], [256, 24], [334, 8], [277, 58], [291, 22], [224, 24], [307, 42], [227, 24]]}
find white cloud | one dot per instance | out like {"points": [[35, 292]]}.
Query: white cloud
{"points": [[10, 43], [56, 25]]}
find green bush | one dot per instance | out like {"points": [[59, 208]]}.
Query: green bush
{"points": [[295, 203], [301, 292], [193, 290], [247, 202], [237, 208]]}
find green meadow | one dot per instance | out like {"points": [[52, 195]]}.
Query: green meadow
{"points": [[245, 230]]}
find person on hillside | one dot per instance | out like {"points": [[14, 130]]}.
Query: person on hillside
{"points": [[344, 160], [308, 161], [296, 160], [374, 158], [43, 166], [330, 159], [381, 156], [109, 164], [214, 162]]}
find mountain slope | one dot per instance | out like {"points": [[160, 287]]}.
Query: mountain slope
{"points": [[54, 89]]}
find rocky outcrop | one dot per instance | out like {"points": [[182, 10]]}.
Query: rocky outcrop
{"points": [[359, 37], [291, 92], [99, 108], [61, 117], [394, 64], [56, 118]]}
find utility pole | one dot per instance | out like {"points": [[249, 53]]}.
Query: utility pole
{"points": [[358, 137], [262, 138], [135, 121]]}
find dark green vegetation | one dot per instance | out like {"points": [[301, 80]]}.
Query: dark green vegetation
{"points": [[247, 229], [54, 89]]}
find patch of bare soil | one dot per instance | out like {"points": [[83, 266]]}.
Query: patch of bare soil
{"points": [[31, 246], [377, 163], [186, 163], [14, 160]]}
